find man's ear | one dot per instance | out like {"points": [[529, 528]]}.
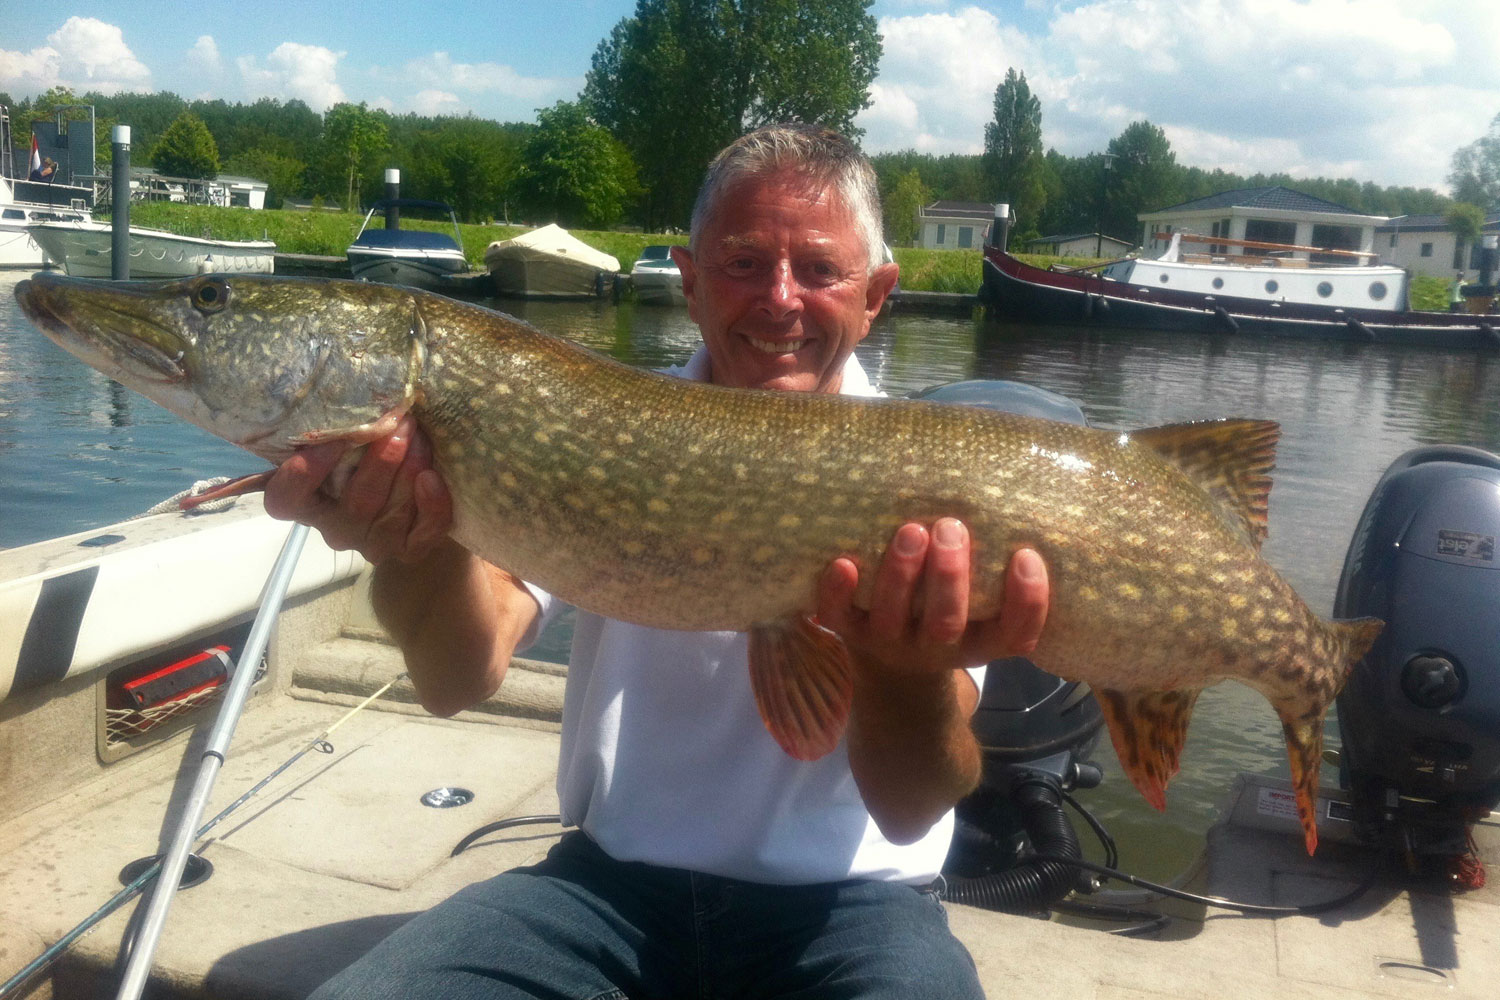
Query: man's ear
{"points": [[882, 282], [683, 258]]}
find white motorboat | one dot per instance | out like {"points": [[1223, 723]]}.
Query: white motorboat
{"points": [[416, 257], [656, 278], [85, 250], [549, 263], [26, 202], [1274, 272]]}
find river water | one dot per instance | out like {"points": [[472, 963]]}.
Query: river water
{"points": [[77, 451]]}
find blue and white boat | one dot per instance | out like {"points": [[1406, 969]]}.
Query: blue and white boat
{"points": [[416, 257]]}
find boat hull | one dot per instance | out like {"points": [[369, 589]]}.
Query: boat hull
{"points": [[658, 287], [86, 251], [1012, 289], [425, 269]]}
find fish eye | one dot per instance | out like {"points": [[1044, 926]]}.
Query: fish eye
{"points": [[211, 296]]}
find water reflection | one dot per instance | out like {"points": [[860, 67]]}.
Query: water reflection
{"points": [[78, 451]]}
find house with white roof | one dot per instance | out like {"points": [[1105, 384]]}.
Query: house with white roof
{"points": [[954, 225]]}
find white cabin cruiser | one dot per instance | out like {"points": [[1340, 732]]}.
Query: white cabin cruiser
{"points": [[1277, 273], [85, 250]]}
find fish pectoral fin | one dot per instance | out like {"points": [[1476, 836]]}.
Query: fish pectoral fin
{"points": [[803, 681], [1148, 729], [1304, 750], [1230, 460], [357, 433], [234, 488]]}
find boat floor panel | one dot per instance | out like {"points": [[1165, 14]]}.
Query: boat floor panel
{"points": [[337, 853]]}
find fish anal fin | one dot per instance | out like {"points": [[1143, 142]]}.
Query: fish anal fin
{"points": [[1304, 750], [1148, 729], [803, 681], [1230, 460]]}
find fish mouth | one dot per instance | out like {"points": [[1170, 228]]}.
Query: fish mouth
{"points": [[114, 327]]}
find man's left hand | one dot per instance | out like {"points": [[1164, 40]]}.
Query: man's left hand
{"points": [[918, 620]]}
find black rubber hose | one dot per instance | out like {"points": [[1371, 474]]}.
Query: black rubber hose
{"points": [[1033, 885]]}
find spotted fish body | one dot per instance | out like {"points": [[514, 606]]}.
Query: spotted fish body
{"points": [[690, 506]]}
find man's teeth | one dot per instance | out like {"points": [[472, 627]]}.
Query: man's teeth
{"points": [[778, 347]]}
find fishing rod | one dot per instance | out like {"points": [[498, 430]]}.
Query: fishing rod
{"points": [[43, 961]]}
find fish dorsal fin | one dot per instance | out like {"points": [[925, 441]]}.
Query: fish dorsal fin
{"points": [[1230, 460]]}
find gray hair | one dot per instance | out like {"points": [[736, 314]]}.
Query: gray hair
{"points": [[819, 153]]}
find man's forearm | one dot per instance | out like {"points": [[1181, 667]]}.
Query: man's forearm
{"points": [[456, 619], [911, 750]]}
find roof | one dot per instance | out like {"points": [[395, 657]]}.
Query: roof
{"points": [[1261, 197], [961, 209], [1064, 238], [1427, 224]]}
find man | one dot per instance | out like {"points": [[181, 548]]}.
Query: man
{"points": [[708, 862]]}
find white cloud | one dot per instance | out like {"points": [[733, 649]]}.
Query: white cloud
{"points": [[439, 70], [1382, 90], [436, 102], [203, 58], [295, 71], [84, 54]]}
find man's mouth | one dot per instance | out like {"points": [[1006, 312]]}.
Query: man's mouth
{"points": [[776, 346]]}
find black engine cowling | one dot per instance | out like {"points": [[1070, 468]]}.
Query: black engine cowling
{"points": [[1420, 715]]}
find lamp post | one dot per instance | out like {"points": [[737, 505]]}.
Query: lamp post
{"points": [[1109, 159]]}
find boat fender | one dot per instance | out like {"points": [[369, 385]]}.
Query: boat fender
{"points": [[1490, 333], [1364, 332], [1088, 305], [1228, 322], [1101, 307]]}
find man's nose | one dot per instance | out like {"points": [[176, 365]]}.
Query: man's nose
{"points": [[783, 293]]}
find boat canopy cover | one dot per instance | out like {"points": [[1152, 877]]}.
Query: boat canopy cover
{"points": [[409, 239], [553, 240]]}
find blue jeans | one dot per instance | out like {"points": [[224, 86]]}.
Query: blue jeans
{"points": [[582, 926]]}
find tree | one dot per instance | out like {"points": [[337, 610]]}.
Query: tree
{"points": [[574, 171], [1467, 223], [284, 176], [1475, 177], [1139, 175], [683, 78], [467, 162], [1013, 163], [186, 149], [353, 134], [901, 205]]}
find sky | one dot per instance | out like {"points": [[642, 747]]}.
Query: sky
{"points": [[1378, 90]]}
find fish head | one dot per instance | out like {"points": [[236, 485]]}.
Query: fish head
{"points": [[266, 363]]}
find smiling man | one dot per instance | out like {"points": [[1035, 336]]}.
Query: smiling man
{"points": [[706, 861]]}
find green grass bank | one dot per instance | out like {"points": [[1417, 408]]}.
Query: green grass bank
{"points": [[330, 233]]}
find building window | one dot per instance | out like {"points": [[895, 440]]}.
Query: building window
{"points": [[1266, 231], [965, 237], [942, 233], [1426, 249], [1393, 239]]}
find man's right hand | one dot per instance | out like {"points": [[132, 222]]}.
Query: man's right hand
{"points": [[394, 506]]}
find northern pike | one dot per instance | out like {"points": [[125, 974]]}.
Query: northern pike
{"points": [[684, 505]]}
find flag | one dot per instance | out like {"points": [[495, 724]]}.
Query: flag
{"points": [[36, 159]]}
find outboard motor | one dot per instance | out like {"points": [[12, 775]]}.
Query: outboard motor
{"points": [[1035, 730], [1420, 715]]}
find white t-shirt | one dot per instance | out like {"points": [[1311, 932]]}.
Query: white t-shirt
{"points": [[665, 759]]}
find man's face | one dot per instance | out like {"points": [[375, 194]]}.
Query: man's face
{"points": [[779, 285]]}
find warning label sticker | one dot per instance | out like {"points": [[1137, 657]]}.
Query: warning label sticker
{"points": [[1277, 802]]}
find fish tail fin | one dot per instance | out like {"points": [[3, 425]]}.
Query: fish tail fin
{"points": [[1148, 729], [1346, 644], [803, 682]]}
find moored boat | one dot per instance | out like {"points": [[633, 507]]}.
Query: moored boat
{"points": [[656, 278], [1011, 288], [23, 203], [416, 257], [549, 263], [85, 250]]}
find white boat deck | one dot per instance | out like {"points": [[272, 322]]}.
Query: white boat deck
{"points": [[338, 851]]}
